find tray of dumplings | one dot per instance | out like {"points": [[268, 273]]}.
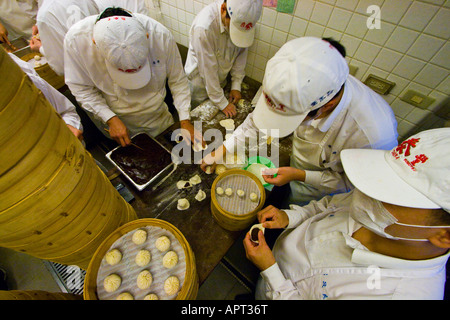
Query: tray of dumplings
{"points": [[146, 263], [237, 194]]}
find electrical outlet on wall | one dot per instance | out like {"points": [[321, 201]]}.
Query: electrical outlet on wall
{"points": [[417, 99], [380, 85]]}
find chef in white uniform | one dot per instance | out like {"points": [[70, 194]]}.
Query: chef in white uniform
{"points": [[54, 19], [307, 90], [387, 239], [18, 17], [62, 105], [117, 64], [218, 40]]}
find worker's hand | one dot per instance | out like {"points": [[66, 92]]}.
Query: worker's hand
{"points": [[118, 131], [76, 132], [34, 30], [35, 44], [4, 37], [285, 175], [273, 218], [234, 97], [230, 110], [258, 253], [211, 159], [192, 136]]}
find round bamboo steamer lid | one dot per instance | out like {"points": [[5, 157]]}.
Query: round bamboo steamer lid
{"points": [[50, 184], [15, 77], [228, 220], [46, 72], [189, 288]]}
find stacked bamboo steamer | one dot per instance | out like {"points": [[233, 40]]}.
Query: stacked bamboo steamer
{"points": [[46, 72], [37, 295], [55, 203], [190, 285], [232, 212]]}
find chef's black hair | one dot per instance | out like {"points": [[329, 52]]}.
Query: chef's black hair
{"points": [[113, 11], [337, 45]]}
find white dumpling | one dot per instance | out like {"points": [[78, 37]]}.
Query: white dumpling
{"points": [[143, 257], [229, 192], [112, 282], [113, 257], [219, 191], [195, 179], [220, 168], [254, 197], [125, 296], [170, 259], [139, 236], [183, 204], [144, 279], [162, 243], [151, 296], [200, 196], [171, 285], [240, 193]]}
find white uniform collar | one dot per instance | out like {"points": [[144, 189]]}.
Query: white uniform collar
{"points": [[222, 27]]}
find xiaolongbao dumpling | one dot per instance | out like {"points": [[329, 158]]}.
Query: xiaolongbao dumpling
{"points": [[151, 296], [113, 257], [143, 257], [162, 243], [144, 279], [139, 236], [125, 296], [112, 282], [171, 285], [170, 259]]}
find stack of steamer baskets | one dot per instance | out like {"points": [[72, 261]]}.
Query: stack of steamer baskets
{"points": [[55, 202], [233, 212], [128, 269]]}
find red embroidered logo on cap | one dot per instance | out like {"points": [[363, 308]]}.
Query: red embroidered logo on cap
{"points": [[405, 149], [246, 26], [273, 105]]}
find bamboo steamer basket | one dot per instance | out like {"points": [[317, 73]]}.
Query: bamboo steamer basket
{"points": [[226, 219], [46, 72], [189, 288], [55, 202], [37, 295]]}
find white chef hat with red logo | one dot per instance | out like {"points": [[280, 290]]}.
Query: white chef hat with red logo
{"points": [[414, 174], [243, 14], [123, 42]]}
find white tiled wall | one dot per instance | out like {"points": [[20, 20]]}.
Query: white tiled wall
{"points": [[411, 48]]}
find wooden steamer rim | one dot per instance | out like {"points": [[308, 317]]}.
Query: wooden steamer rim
{"points": [[188, 289], [241, 220]]}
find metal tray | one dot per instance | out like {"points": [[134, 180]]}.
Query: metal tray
{"points": [[153, 181]]}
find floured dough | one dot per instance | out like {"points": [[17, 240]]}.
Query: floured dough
{"points": [[228, 124], [37, 57], [125, 296], [201, 195], [240, 193], [229, 192], [254, 197], [113, 257], [112, 282], [195, 180], [142, 258], [162, 243], [183, 184], [139, 237], [171, 285], [219, 191], [220, 168], [183, 204], [170, 259], [151, 296], [144, 280]]}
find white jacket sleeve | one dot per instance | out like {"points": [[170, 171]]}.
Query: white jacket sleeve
{"points": [[53, 43], [177, 80], [247, 129], [208, 66], [237, 72], [81, 86]]}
